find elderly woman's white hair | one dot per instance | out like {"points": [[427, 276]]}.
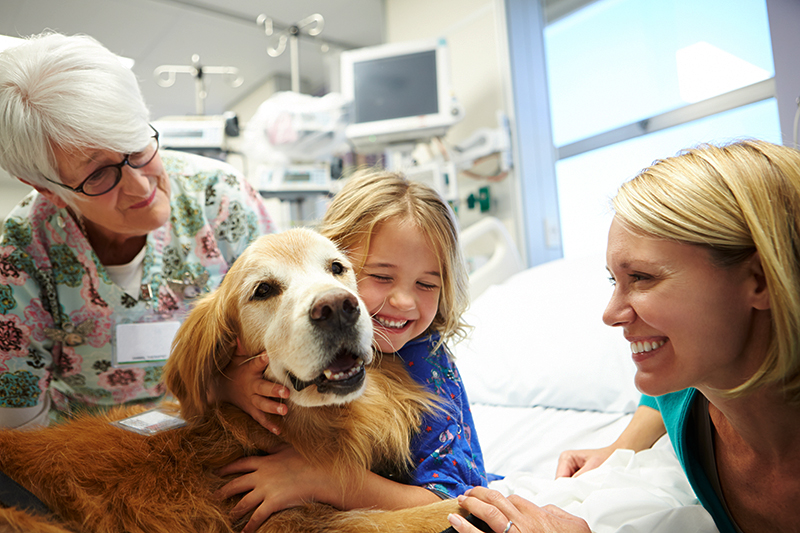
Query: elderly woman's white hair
{"points": [[66, 91]]}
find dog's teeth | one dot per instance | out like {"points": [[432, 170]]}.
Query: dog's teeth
{"points": [[339, 376]]}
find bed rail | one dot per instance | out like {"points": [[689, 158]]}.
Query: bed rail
{"points": [[492, 254]]}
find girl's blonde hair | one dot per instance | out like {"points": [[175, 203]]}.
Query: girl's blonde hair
{"points": [[373, 196], [735, 200]]}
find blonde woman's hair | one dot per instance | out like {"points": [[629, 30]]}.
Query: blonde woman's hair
{"points": [[370, 198], [735, 200]]}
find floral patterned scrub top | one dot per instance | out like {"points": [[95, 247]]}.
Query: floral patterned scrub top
{"points": [[446, 452], [59, 308]]}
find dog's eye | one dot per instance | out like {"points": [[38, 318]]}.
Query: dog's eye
{"points": [[337, 268], [264, 291]]}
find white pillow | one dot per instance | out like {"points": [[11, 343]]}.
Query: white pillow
{"points": [[539, 339]]}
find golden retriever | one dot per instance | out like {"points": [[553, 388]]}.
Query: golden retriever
{"points": [[292, 295]]}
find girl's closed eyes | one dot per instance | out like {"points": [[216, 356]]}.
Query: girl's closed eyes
{"points": [[398, 295]]}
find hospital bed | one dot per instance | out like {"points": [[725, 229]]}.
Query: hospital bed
{"points": [[544, 374]]}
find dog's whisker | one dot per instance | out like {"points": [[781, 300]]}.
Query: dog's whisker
{"points": [[221, 370], [383, 336], [378, 310], [380, 334], [256, 356]]}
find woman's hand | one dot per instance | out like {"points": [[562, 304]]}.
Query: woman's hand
{"points": [[644, 429], [513, 515], [576, 462], [272, 483], [242, 384]]}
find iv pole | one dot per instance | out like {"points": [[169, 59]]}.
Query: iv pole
{"points": [[291, 34], [198, 72]]}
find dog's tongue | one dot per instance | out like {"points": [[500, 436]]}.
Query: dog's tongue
{"points": [[344, 367], [343, 363]]}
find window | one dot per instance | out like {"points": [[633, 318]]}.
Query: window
{"points": [[618, 64], [587, 182], [619, 61]]}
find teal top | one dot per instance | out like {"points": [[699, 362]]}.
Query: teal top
{"points": [[676, 410]]}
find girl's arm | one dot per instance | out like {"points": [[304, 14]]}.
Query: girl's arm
{"points": [[285, 479], [447, 453]]}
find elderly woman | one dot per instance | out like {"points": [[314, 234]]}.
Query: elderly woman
{"points": [[704, 253], [102, 260]]}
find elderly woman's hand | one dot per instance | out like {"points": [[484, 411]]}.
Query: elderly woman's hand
{"points": [[242, 384], [513, 514]]}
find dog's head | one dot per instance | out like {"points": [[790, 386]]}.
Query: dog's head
{"points": [[293, 295]]}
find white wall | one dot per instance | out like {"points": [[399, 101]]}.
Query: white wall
{"points": [[784, 17], [476, 40], [11, 189]]}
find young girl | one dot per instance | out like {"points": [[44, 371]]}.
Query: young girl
{"points": [[403, 241]]}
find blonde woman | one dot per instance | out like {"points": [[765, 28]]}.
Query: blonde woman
{"points": [[704, 253]]}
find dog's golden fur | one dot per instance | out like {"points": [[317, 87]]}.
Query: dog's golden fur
{"points": [[98, 477]]}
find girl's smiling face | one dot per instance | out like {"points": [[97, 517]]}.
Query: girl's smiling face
{"points": [[400, 282], [690, 323]]}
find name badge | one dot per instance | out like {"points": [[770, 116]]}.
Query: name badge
{"points": [[151, 422], [144, 343]]}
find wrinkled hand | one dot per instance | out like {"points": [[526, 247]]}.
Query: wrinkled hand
{"points": [[572, 463], [271, 483], [242, 383], [497, 510]]}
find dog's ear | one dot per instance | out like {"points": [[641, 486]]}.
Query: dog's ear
{"points": [[202, 349]]}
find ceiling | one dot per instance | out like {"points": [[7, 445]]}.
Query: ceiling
{"points": [[221, 32]]}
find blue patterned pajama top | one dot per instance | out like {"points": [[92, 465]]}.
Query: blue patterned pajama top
{"points": [[446, 452]]}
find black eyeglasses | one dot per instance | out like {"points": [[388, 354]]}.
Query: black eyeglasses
{"points": [[106, 178]]}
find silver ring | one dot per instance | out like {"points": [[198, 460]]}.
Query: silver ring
{"points": [[508, 526]]}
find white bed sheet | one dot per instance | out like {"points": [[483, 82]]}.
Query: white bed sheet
{"points": [[530, 439], [646, 492]]}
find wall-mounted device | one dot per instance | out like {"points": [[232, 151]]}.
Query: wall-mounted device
{"points": [[294, 180], [196, 132]]}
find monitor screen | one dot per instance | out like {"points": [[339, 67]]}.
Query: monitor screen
{"points": [[395, 87], [400, 93]]}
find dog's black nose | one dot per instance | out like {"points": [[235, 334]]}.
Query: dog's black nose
{"points": [[335, 309]]}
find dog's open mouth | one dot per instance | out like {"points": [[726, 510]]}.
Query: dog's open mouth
{"points": [[344, 375]]}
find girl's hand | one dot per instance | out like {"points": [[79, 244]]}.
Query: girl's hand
{"points": [[271, 483], [242, 384], [513, 515]]}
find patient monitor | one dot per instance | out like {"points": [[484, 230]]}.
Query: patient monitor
{"points": [[400, 92]]}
